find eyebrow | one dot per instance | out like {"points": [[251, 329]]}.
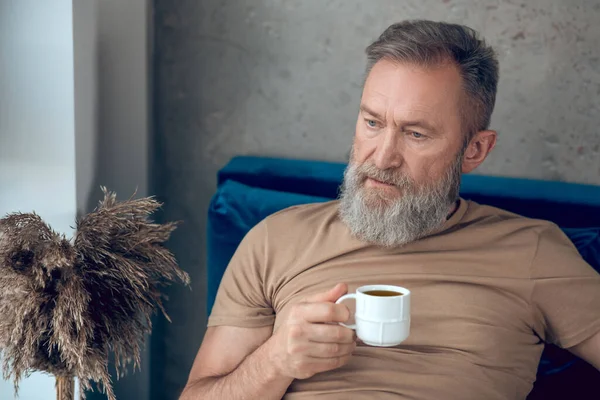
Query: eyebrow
{"points": [[418, 122], [367, 110]]}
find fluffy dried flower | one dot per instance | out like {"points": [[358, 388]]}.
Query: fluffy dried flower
{"points": [[65, 305]]}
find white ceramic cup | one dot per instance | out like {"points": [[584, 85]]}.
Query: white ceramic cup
{"points": [[380, 320]]}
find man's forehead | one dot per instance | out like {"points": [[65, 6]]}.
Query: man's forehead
{"points": [[392, 79], [412, 89]]}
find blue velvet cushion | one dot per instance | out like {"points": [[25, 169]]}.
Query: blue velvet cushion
{"points": [[587, 241], [236, 208]]}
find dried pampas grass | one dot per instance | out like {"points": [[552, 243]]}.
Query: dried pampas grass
{"points": [[65, 305]]}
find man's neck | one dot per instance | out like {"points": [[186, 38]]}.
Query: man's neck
{"points": [[453, 209]]}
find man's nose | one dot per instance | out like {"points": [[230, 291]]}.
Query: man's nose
{"points": [[388, 152]]}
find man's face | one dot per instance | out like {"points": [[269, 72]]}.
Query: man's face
{"points": [[409, 122], [404, 172]]}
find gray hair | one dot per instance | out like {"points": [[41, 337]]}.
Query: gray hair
{"points": [[430, 43]]}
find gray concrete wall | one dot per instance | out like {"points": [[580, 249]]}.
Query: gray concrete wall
{"points": [[283, 78]]}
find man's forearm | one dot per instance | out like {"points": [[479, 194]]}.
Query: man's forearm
{"points": [[254, 378]]}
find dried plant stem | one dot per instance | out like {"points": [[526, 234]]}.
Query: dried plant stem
{"points": [[65, 388]]}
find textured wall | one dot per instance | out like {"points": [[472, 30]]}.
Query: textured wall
{"points": [[283, 77]]}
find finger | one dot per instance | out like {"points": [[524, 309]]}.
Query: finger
{"points": [[324, 312], [330, 350], [324, 333], [329, 296]]}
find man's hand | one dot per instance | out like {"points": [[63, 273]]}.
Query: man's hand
{"points": [[310, 340]]}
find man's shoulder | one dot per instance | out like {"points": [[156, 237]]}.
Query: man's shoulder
{"points": [[302, 215], [481, 214], [498, 228], [303, 228]]}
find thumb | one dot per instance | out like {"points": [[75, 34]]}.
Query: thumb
{"points": [[330, 296]]}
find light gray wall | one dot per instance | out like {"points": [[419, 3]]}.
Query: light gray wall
{"points": [[283, 78], [112, 69], [37, 134], [85, 61], [112, 76]]}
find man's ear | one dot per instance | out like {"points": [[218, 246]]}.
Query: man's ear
{"points": [[478, 149]]}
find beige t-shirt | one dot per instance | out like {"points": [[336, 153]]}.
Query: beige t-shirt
{"points": [[487, 288]]}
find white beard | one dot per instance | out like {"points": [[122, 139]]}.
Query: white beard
{"points": [[416, 212]]}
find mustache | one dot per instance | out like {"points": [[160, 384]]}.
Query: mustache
{"points": [[390, 177]]}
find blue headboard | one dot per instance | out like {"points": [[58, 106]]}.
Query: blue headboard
{"points": [[566, 204]]}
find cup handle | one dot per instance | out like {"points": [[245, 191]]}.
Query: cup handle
{"points": [[344, 297]]}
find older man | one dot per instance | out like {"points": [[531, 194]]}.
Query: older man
{"points": [[488, 287]]}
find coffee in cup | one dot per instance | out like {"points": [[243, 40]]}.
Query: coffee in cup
{"points": [[383, 293]]}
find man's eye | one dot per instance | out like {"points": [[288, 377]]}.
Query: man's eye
{"points": [[417, 135], [372, 123]]}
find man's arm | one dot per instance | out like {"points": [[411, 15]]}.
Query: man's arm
{"points": [[589, 350], [232, 365], [252, 363]]}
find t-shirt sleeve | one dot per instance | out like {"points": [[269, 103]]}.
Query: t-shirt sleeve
{"points": [[241, 299], [566, 291]]}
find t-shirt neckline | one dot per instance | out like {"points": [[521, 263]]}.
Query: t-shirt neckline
{"points": [[458, 215]]}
